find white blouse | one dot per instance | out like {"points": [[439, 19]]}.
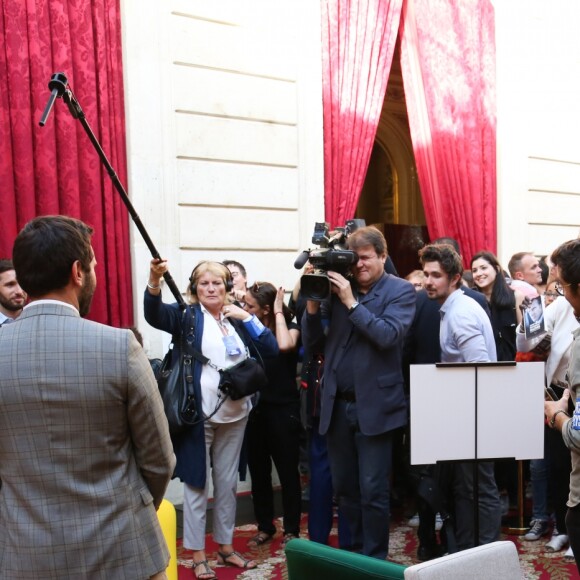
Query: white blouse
{"points": [[213, 347]]}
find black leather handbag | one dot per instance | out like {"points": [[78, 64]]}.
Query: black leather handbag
{"points": [[175, 380]]}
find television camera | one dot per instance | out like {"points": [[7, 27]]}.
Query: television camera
{"points": [[330, 255]]}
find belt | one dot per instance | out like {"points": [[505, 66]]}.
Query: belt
{"points": [[348, 396]]}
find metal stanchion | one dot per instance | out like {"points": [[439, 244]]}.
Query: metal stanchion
{"points": [[517, 528]]}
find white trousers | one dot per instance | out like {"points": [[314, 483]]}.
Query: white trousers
{"points": [[223, 443]]}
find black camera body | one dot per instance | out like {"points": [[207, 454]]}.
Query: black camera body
{"points": [[330, 255]]}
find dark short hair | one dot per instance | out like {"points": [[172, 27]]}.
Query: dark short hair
{"points": [[368, 236], [46, 249], [6, 265], [237, 265], [545, 269], [515, 263], [567, 258], [449, 241], [446, 255]]}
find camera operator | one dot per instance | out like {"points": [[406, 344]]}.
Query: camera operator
{"points": [[363, 399]]}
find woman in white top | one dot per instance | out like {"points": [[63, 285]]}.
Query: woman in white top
{"points": [[222, 333]]}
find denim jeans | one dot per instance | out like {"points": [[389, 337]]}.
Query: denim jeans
{"points": [[539, 469]]}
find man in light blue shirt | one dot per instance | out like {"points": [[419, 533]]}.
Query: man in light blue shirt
{"points": [[465, 336]]}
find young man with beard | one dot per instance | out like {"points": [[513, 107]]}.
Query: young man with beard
{"points": [[12, 297], [85, 452], [465, 335], [363, 399]]}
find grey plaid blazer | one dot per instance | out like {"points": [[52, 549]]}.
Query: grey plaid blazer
{"points": [[85, 453]]}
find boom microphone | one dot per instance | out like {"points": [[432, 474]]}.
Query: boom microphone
{"points": [[57, 85]]}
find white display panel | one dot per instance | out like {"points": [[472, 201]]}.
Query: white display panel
{"points": [[510, 412]]}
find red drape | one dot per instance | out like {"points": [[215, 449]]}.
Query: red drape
{"points": [[448, 63], [358, 41], [55, 170]]}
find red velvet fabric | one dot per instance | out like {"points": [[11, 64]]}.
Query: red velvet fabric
{"points": [[448, 64], [55, 170], [358, 41]]}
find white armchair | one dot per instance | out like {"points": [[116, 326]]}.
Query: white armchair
{"points": [[487, 562]]}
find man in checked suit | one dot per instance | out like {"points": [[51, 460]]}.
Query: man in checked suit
{"points": [[85, 453]]}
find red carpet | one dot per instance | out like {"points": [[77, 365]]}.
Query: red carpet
{"points": [[535, 562]]}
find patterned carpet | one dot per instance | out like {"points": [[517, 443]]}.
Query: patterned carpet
{"points": [[536, 564]]}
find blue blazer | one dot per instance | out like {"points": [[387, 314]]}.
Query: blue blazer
{"points": [[380, 324]]}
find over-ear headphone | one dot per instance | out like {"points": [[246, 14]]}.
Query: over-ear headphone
{"points": [[229, 281]]}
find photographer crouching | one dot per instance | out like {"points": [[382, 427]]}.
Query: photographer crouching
{"points": [[363, 400]]}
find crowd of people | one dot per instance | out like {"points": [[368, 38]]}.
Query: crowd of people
{"points": [[95, 463]]}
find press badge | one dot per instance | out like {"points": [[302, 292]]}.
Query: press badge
{"points": [[232, 348], [576, 416]]}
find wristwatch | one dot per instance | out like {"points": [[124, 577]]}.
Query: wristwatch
{"points": [[354, 305]]}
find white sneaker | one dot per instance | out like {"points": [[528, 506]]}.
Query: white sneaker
{"points": [[438, 522], [569, 555], [414, 521], [557, 542]]}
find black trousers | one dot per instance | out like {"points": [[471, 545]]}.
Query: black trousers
{"points": [[273, 434], [573, 526], [559, 476]]}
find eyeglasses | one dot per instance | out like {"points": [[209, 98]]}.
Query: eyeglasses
{"points": [[551, 294], [559, 287]]}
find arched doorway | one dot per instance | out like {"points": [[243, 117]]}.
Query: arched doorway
{"points": [[391, 197]]}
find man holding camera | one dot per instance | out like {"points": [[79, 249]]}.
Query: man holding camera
{"points": [[363, 399]]}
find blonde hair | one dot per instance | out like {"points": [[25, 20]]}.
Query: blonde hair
{"points": [[217, 269]]}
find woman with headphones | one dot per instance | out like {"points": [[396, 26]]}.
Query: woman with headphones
{"points": [[222, 332]]}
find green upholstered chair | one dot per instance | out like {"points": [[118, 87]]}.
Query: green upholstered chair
{"points": [[308, 560]]}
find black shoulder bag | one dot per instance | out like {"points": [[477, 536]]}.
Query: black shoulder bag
{"points": [[242, 379], [175, 379]]}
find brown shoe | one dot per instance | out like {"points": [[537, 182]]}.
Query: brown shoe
{"points": [[259, 539]]}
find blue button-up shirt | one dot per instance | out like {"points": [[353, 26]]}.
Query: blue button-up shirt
{"points": [[465, 333]]}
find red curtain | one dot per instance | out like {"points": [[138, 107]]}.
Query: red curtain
{"points": [[55, 170], [448, 63], [358, 41]]}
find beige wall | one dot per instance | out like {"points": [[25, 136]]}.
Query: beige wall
{"points": [[538, 72]]}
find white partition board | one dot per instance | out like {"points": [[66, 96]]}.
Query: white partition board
{"points": [[510, 412], [438, 431]]}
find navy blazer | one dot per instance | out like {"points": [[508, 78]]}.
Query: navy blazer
{"points": [[379, 324]]}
